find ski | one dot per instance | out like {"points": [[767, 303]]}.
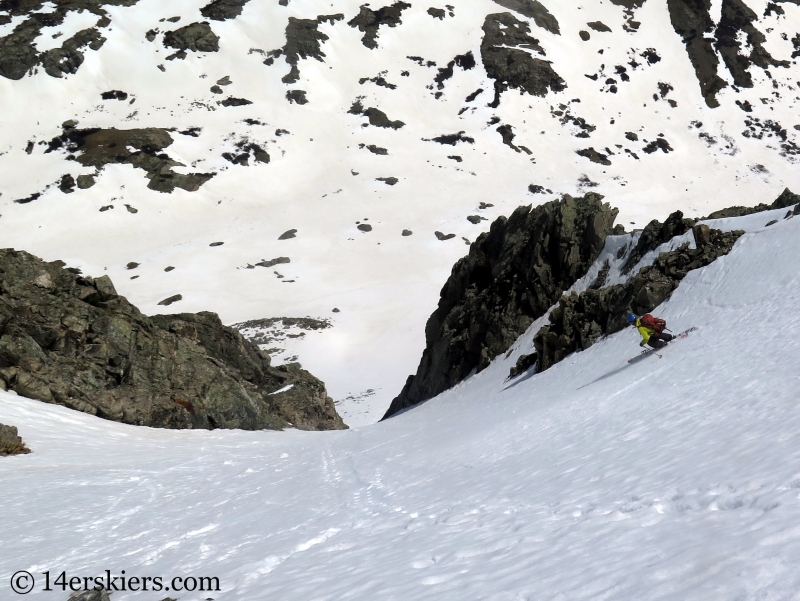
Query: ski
{"points": [[647, 352]]}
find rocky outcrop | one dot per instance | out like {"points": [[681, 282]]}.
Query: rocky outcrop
{"points": [[10, 442], [18, 52], [533, 9], [197, 37], [785, 200], [142, 148], [303, 40], [222, 10], [505, 51], [654, 235], [72, 340], [580, 320], [512, 275], [369, 21]]}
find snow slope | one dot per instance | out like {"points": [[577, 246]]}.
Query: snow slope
{"points": [[321, 179], [675, 478]]}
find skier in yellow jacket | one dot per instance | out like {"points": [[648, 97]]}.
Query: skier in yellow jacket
{"points": [[652, 330]]}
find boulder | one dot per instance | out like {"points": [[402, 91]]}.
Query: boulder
{"points": [[10, 442]]}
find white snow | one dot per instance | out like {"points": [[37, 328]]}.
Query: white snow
{"points": [[676, 478]]}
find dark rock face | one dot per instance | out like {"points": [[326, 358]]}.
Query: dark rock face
{"points": [[303, 40], [369, 21], [222, 10], [786, 199], [533, 10], [71, 340], [98, 147], [197, 37], [296, 97], [593, 156], [377, 118], [656, 234], [512, 275], [10, 442], [509, 65], [18, 53], [692, 21], [581, 319]]}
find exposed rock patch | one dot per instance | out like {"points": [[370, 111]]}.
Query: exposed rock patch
{"points": [[580, 320], [71, 340], [376, 117], [594, 156], [222, 10], [10, 441], [533, 9], [785, 200], [656, 234], [512, 275], [509, 65], [451, 139], [197, 37], [141, 148], [369, 21], [296, 97], [303, 40]]}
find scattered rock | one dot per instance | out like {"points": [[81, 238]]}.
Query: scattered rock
{"points": [[594, 156], [169, 268], [273, 262], [132, 265], [376, 149], [231, 101], [197, 37], [475, 219], [89, 349], [437, 13], [67, 184], [512, 275], [85, 181], [335, 310], [451, 139], [406, 233], [131, 209], [658, 144], [216, 244], [287, 234], [114, 95], [442, 237], [584, 35], [10, 442], [369, 21], [365, 227], [222, 10], [533, 9], [389, 181], [303, 40], [297, 96], [172, 299], [455, 157], [215, 90], [505, 50], [631, 136], [142, 148], [599, 26]]}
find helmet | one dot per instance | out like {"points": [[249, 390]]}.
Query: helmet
{"points": [[631, 318]]}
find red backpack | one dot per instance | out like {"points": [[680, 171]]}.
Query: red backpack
{"points": [[654, 323]]}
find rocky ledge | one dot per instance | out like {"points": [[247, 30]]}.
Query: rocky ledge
{"points": [[512, 275], [72, 340]]}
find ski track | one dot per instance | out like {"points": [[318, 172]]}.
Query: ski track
{"points": [[675, 479], [385, 285]]}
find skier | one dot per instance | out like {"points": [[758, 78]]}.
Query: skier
{"points": [[652, 330]]}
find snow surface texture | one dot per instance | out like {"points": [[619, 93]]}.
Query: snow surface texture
{"points": [[675, 478], [322, 178]]}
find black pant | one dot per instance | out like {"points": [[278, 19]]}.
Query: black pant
{"points": [[658, 341]]}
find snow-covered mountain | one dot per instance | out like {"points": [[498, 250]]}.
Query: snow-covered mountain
{"points": [[324, 146], [671, 478]]}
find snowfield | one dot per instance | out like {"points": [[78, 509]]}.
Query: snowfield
{"points": [[675, 478], [322, 178]]}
